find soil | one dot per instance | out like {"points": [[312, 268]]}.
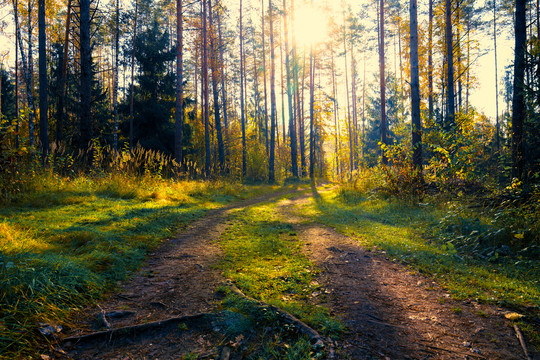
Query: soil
{"points": [[390, 312]]}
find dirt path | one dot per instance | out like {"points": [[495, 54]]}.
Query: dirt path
{"points": [[393, 314], [390, 313]]}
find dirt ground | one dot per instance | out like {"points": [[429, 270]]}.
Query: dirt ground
{"points": [[390, 312]]}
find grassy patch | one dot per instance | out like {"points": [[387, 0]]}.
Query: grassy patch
{"points": [[406, 234], [66, 241], [262, 255]]}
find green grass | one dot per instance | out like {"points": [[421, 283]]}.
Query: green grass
{"points": [[408, 234], [262, 255], [67, 241]]}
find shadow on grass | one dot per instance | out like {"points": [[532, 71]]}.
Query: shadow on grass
{"points": [[401, 232]]}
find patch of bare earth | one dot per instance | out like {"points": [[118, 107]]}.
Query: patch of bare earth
{"points": [[391, 313], [179, 279]]}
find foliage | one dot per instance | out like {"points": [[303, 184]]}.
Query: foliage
{"points": [[263, 257], [405, 233], [65, 241]]}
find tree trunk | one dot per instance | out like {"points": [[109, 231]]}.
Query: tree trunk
{"points": [[292, 127], [273, 110], [215, 73], [497, 125], [334, 100], [179, 110], [208, 154], [62, 81], [301, 124], [264, 79], [86, 77], [43, 106], [450, 102], [242, 110], [416, 120], [116, 72], [132, 86], [311, 114], [223, 90], [430, 61], [382, 80], [518, 104], [16, 85], [27, 76], [351, 146]]}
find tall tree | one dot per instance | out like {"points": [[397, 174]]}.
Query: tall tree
{"points": [[85, 124], [292, 125], [264, 79], [208, 154], [62, 80], [132, 86], [416, 121], [497, 125], [215, 90], [450, 101], [430, 61], [273, 109], [518, 103], [116, 73], [179, 105], [223, 90], [43, 107], [27, 75], [349, 120], [382, 80], [311, 114], [242, 109]]}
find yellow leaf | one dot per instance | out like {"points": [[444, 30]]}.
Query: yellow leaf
{"points": [[513, 316], [518, 236]]}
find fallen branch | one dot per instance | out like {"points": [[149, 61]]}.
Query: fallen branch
{"points": [[522, 342], [131, 330], [315, 338]]}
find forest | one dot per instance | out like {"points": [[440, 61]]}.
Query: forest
{"points": [[272, 179]]}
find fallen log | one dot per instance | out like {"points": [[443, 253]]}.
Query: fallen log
{"points": [[132, 330], [315, 338]]}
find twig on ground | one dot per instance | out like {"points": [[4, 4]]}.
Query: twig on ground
{"points": [[522, 342]]}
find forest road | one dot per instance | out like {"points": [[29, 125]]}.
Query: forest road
{"points": [[390, 312]]}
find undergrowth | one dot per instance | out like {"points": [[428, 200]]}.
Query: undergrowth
{"points": [[474, 247], [65, 241], [262, 255]]}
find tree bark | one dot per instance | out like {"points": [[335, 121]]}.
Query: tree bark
{"points": [[208, 154], [518, 103], [292, 127], [85, 125], [382, 80], [264, 79], [179, 111], [62, 81], [223, 90], [415, 93], [430, 61], [27, 76], [215, 73], [497, 125], [450, 102], [132, 86], [116, 72], [311, 114], [273, 110], [242, 110], [43, 106], [351, 147]]}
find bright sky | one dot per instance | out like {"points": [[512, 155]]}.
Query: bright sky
{"points": [[311, 26]]}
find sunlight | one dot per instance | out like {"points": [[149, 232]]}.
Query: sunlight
{"points": [[311, 26]]}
